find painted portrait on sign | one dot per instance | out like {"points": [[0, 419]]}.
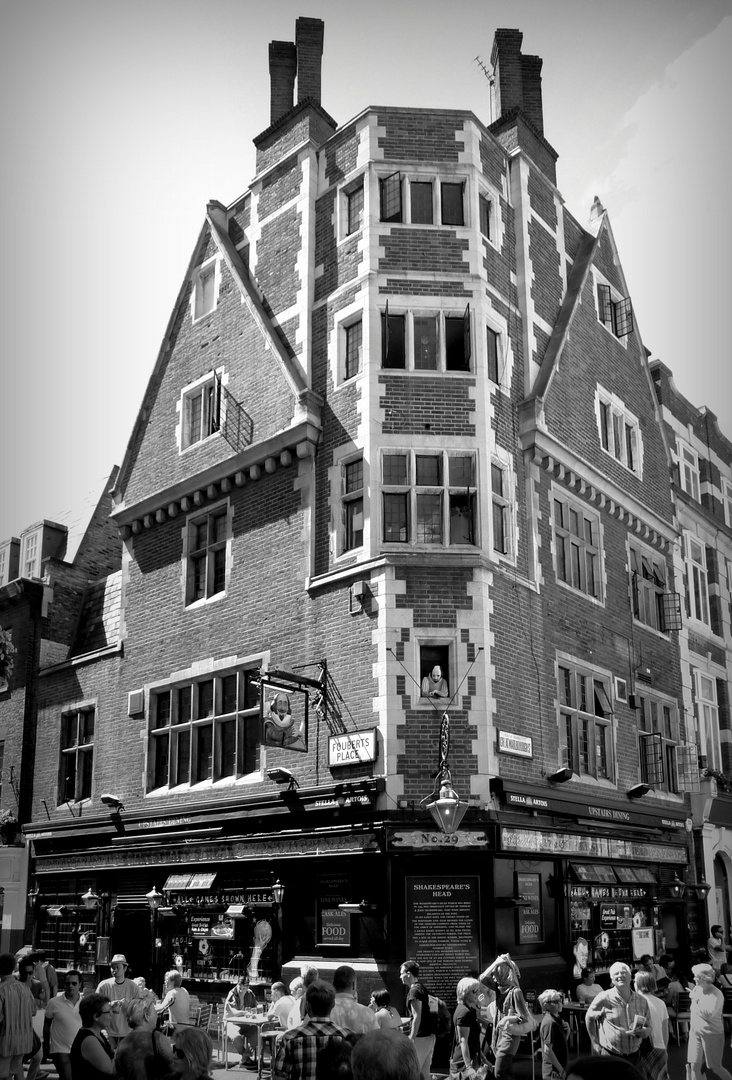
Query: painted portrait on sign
{"points": [[284, 717]]}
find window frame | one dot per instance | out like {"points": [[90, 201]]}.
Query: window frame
{"points": [[209, 389], [198, 743], [353, 195], [614, 312], [211, 267], [619, 432], [502, 506], [351, 501], [727, 501], [648, 585], [485, 216], [402, 324], [576, 568], [658, 722], [83, 778], [32, 538], [689, 472], [209, 552], [578, 725], [461, 184], [697, 581], [414, 497], [348, 329], [707, 717]]}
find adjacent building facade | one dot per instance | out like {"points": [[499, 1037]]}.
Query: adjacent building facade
{"points": [[397, 499]]}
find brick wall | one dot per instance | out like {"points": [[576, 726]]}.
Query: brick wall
{"points": [[227, 337]]}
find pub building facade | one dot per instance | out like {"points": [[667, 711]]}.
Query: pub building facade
{"points": [[401, 420]]}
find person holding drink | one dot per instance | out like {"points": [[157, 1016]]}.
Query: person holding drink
{"points": [[119, 989], [618, 1019]]}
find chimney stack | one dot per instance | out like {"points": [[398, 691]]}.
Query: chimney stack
{"points": [[518, 110], [282, 71], [309, 42]]}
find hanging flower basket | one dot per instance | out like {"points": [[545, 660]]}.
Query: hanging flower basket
{"points": [[7, 656], [8, 826]]}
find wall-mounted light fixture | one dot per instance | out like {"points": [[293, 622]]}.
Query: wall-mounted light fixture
{"points": [[638, 791], [702, 887], [283, 776], [114, 802], [278, 892], [443, 803], [676, 888], [561, 776]]}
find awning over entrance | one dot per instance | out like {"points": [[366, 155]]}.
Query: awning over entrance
{"points": [[186, 882], [596, 873]]}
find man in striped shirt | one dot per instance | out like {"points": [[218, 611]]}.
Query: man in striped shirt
{"points": [[297, 1049]]}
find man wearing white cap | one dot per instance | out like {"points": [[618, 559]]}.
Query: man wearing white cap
{"points": [[618, 1018], [118, 989]]}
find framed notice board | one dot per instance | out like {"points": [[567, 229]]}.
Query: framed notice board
{"points": [[529, 915]]}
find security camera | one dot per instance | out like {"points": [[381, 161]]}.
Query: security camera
{"points": [[112, 801]]}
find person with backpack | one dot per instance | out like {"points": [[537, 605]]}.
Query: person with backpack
{"points": [[418, 1003], [513, 1019]]}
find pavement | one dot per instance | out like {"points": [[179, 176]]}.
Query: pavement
{"points": [[522, 1067]]}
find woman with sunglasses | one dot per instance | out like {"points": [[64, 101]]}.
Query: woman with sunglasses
{"points": [[91, 1055], [191, 1054]]}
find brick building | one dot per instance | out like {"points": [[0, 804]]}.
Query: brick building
{"points": [[702, 488], [402, 419], [48, 576]]}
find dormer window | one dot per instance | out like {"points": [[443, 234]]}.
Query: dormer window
{"points": [[205, 289], [30, 559]]}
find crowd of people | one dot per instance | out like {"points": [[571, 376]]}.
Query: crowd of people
{"points": [[323, 1031]]}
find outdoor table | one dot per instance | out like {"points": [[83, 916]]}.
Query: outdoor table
{"points": [[253, 1020]]}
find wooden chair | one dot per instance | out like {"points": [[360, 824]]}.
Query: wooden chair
{"points": [[194, 1010], [679, 1013], [204, 1016]]}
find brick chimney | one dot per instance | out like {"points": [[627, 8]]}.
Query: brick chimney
{"points": [[518, 110], [282, 71], [309, 42]]}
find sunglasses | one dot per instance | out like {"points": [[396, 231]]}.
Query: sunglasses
{"points": [[180, 1054]]}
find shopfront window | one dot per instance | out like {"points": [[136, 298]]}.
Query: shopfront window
{"points": [[611, 916]]}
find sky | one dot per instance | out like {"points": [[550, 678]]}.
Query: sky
{"points": [[121, 120]]}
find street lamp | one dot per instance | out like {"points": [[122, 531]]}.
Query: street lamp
{"points": [[154, 899], [443, 803], [90, 899]]}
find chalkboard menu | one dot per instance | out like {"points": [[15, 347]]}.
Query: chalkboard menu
{"points": [[530, 924], [443, 930]]}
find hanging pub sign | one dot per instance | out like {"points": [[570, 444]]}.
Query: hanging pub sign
{"points": [[284, 715]]}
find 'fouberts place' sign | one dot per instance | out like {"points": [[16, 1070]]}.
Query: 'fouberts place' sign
{"points": [[352, 748]]}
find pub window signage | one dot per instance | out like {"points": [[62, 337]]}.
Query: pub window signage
{"points": [[529, 916]]}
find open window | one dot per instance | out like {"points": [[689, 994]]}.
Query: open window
{"points": [[434, 674]]}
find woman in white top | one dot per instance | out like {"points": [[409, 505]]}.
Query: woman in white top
{"points": [[706, 1028], [716, 947], [655, 1060]]}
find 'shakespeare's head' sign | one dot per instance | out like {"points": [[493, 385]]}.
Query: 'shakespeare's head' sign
{"points": [[284, 712]]}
